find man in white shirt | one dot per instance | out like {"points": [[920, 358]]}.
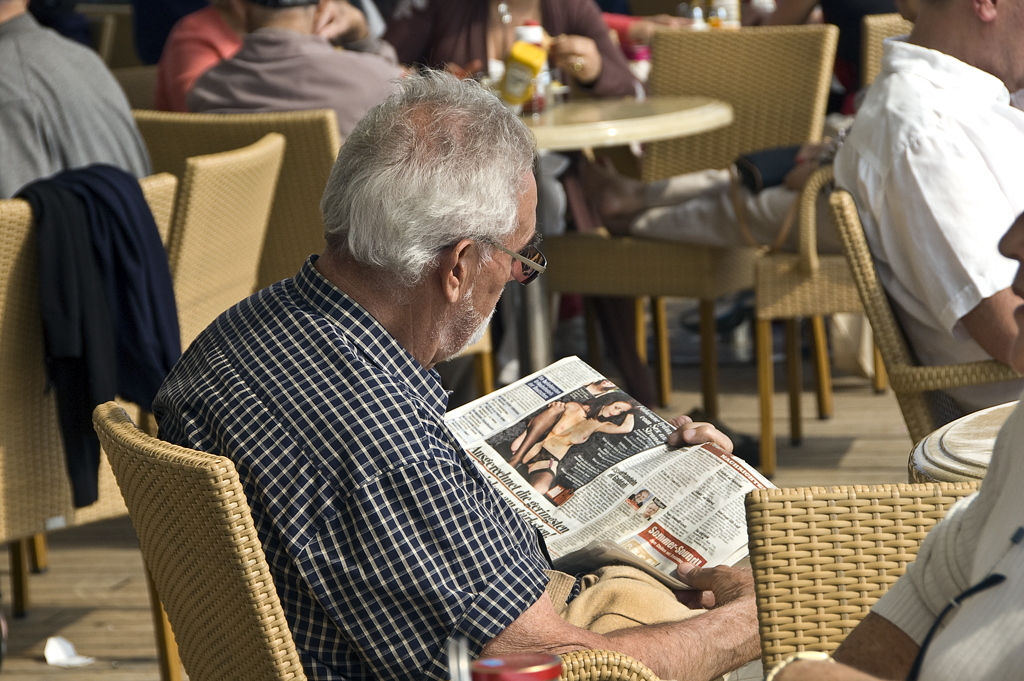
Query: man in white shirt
{"points": [[934, 162]]}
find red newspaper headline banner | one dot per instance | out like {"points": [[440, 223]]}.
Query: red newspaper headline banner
{"points": [[668, 545], [729, 459]]}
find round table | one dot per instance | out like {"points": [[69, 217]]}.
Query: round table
{"points": [[959, 451], [611, 122], [605, 123]]}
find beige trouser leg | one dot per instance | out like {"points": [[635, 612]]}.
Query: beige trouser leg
{"points": [[616, 597]]}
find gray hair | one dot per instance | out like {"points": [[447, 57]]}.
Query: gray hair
{"points": [[439, 161]]}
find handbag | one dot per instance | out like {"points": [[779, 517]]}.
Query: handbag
{"points": [[766, 168]]}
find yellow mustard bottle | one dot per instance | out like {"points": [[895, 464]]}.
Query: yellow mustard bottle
{"points": [[522, 67]]}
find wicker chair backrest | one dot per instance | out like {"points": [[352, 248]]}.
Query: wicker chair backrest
{"points": [[775, 105], [822, 556], [219, 226], [201, 548], [296, 228]]}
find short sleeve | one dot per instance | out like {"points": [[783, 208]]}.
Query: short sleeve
{"points": [[941, 571], [947, 212]]}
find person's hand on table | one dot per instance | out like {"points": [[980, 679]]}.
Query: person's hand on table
{"points": [[577, 56], [341, 22], [642, 30], [690, 432]]}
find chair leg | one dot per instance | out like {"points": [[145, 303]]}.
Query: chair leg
{"points": [[39, 559], [794, 362], [641, 331], [483, 370], [18, 551], [166, 647], [664, 350], [822, 367], [881, 381], [709, 358], [766, 389]]}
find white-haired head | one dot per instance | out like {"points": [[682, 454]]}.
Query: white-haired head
{"points": [[439, 161]]}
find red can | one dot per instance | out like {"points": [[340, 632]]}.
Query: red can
{"points": [[526, 667]]}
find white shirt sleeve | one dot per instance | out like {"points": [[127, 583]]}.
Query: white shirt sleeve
{"points": [[943, 215]]}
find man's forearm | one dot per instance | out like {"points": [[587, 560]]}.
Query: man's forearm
{"points": [[992, 325], [702, 647]]}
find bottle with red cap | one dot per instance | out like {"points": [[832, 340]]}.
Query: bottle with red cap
{"points": [[524, 667]]}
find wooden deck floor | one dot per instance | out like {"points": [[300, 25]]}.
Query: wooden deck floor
{"points": [[94, 593]]}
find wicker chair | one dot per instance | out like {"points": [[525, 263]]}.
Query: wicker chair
{"points": [[199, 542], [822, 556], [876, 28], [789, 286], [122, 50], [779, 106], [101, 35], [138, 83], [223, 205], [296, 228], [924, 409], [202, 551]]}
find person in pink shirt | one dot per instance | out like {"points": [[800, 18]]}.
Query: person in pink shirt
{"points": [[199, 41]]}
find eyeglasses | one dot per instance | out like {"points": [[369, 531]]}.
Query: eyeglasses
{"points": [[528, 263]]}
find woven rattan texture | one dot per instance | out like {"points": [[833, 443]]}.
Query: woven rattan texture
{"points": [[909, 381], [806, 284], [598, 265], [603, 665], [219, 226], [776, 79], [296, 228], [139, 85], [34, 486], [878, 27], [201, 548], [160, 191], [822, 556]]}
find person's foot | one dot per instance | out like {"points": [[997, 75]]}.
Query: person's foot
{"points": [[619, 199]]}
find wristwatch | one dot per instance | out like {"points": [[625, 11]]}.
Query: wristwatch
{"points": [[802, 655]]}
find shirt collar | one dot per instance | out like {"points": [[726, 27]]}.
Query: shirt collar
{"points": [[369, 336], [942, 70]]}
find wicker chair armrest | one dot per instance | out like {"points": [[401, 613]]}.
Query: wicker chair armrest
{"points": [[819, 180], [603, 665], [920, 379]]}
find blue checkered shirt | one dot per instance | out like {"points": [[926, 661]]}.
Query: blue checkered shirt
{"points": [[383, 538]]}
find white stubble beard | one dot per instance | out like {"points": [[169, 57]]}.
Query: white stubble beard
{"points": [[465, 317]]}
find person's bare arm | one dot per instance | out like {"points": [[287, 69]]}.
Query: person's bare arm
{"points": [[991, 323], [790, 12], [875, 649], [701, 647], [612, 429]]}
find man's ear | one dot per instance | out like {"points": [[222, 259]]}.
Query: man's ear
{"points": [[985, 9], [455, 268]]}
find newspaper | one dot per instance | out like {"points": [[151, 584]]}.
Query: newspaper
{"points": [[588, 466]]}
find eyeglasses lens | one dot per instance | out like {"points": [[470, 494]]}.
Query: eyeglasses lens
{"points": [[526, 273]]}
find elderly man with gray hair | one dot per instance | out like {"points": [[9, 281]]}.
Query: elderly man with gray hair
{"points": [[384, 539]]}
